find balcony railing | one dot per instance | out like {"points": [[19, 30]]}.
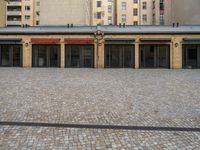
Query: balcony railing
{"points": [[13, 23], [16, 3], [14, 13]]}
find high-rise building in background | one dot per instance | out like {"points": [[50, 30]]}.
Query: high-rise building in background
{"points": [[22, 12], [63, 12], [2, 13], [127, 12], [186, 11], [105, 12]]}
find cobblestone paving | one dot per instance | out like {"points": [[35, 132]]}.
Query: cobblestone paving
{"points": [[53, 138], [167, 98]]}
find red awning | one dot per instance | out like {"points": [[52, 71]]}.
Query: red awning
{"points": [[79, 41], [45, 40]]}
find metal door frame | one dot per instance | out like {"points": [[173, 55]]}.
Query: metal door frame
{"points": [[107, 51], [81, 51]]}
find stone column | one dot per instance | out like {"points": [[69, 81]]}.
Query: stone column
{"points": [[137, 57], [101, 56], [62, 55], [177, 53], [27, 53]]}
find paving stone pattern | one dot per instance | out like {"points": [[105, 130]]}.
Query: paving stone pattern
{"points": [[167, 98]]}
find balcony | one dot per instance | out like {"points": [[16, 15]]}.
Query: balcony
{"points": [[14, 13], [14, 3], [14, 23]]}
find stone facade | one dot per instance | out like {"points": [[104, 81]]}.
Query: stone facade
{"points": [[175, 47]]}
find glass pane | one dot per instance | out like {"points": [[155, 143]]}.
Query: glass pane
{"points": [[87, 56], [16, 56], [54, 56], [128, 56], [149, 56], [75, 56], [163, 61], [114, 57], [192, 57], [5, 55]]}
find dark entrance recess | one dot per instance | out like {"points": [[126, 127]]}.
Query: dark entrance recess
{"points": [[11, 55], [191, 56], [79, 56], [119, 56], [154, 56], [46, 55]]}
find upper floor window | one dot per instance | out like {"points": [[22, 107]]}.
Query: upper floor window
{"points": [[144, 5], [123, 5], [27, 8], [109, 9], [135, 1], [135, 12], [99, 3]]}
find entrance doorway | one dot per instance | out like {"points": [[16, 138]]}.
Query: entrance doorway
{"points": [[46, 56], [11, 55], [191, 56], [79, 56], [154, 56], [119, 56]]}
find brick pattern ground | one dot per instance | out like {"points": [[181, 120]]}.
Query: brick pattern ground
{"points": [[167, 98], [60, 138]]}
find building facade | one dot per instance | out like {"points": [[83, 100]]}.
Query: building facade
{"points": [[101, 47], [63, 12], [2, 13], [23, 12], [189, 14], [103, 12], [128, 12]]}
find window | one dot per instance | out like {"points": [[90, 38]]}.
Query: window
{"points": [[37, 22], [162, 20], [123, 5], [123, 18], [135, 1], [38, 4], [37, 13], [27, 8], [109, 9], [98, 15], [135, 11], [144, 5], [27, 17], [109, 20], [99, 3], [135, 23], [144, 18]]}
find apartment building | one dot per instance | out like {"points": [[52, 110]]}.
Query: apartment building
{"points": [[186, 12], [103, 12], [2, 13], [22, 12], [128, 12], [63, 12]]}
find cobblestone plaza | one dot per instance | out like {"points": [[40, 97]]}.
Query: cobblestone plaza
{"points": [[128, 97]]}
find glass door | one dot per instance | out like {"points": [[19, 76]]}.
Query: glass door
{"points": [[53, 56], [155, 56], [17, 56], [87, 56], [11, 55], [78, 56], [163, 56], [147, 56], [191, 57], [5, 56], [119, 56]]}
